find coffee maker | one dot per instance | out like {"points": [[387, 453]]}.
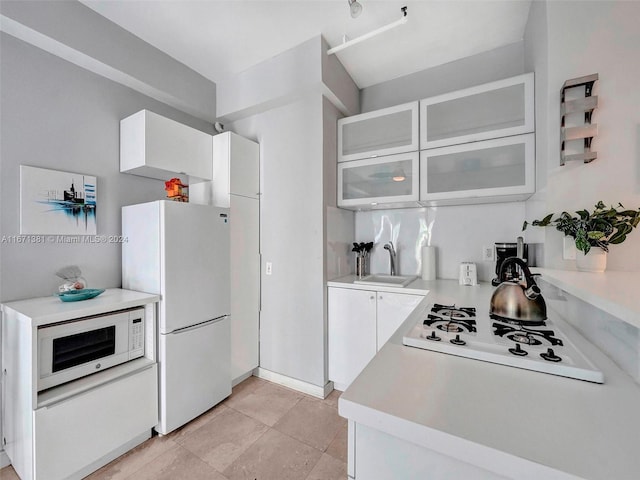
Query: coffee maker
{"points": [[505, 250]]}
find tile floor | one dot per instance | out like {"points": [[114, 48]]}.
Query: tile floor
{"points": [[261, 432]]}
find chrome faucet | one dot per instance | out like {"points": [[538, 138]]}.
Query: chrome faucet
{"points": [[392, 257]]}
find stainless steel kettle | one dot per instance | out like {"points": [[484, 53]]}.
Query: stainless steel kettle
{"points": [[514, 302]]}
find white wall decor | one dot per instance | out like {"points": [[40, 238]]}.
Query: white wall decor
{"points": [[58, 203]]}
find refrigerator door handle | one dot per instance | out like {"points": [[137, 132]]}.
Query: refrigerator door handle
{"points": [[198, 325]]}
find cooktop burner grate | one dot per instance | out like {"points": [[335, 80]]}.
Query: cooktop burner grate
{"points": [[468, 332]]}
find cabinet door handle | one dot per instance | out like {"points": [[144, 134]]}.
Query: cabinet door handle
{"points": [[380, 297], [372, 297]]}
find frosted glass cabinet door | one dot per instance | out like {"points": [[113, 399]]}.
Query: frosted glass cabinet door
{"points": [[383, 132], [492, 110], [382, 180], [494, 170]]}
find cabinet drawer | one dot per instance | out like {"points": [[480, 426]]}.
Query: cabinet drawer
{"points": [[383, 132], [78, 431], [496, 170]]}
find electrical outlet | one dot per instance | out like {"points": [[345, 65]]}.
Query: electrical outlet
{"points": [[267, 268], [568, 248], [488, 253]]}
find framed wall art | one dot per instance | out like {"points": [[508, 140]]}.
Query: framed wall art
{"points": [[57, 203]]}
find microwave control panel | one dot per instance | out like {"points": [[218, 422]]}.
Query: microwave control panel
{"points": [[136, 334]]}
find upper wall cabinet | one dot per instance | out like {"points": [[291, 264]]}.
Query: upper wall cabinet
{"points": [[498, 170], [383, 132], [157, 147], [493, 110], [387, 182]]}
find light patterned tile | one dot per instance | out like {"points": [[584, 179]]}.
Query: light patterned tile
{"points": [[132, 461], [332, 398], [179, 435], [274, 456], [268, 403], [8, 473], [328, 468], [178, 464], [311, 421], [223, 439], [338, 446], [243, 389]]}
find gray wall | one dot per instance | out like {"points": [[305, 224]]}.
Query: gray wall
{"points": [[467, 72], [59, 116], [69, 29], [56, 115]]}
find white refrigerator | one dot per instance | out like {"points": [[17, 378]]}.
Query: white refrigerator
{"points": [[181, 252]]}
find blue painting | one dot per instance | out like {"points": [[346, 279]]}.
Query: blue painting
{"points": [[57, 203]]}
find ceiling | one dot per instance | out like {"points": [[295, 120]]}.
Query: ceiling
{"points": [[221, 38]]}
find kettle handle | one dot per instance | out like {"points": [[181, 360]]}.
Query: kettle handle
{"points": [[531, 290]]}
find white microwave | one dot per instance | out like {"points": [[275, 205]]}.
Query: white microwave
{"points": [[80, 347]]}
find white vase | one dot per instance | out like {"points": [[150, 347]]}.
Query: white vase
{"points": [[594, 261]]}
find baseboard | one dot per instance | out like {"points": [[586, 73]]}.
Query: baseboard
{"points": [[241, 378], [4, 459], [294, 383]]}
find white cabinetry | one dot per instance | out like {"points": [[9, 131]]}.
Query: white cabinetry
{"points": [[157, 147], [479, 172], [492, 110], [73, 429], [360, 323], [383, 132], [236, 169], [390, 181], [392, 310], [352, 333], [236, 185]]}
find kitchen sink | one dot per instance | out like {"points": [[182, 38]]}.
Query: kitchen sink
{"points": [[386, 280]]}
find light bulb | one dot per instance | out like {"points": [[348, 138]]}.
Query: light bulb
{"points": [[355, 7]]}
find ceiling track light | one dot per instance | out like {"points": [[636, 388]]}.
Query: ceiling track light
{"points": [[373, 33], [355, 8]]}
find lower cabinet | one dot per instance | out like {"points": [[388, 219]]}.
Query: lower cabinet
{"points": [[78, 431], [360, 323]]}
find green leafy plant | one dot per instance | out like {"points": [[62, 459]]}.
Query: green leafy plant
{"points": [[601, 228]]}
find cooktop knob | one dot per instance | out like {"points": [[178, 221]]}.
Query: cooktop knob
{"points": [[433, 336], [518, 351], [458, 341], [550, 356]]}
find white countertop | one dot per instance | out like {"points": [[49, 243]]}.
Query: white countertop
{"points": [[514, 422], [46, 310], [614, 292], [417, 287]]}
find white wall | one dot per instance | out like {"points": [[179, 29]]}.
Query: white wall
{"points": [[565, 40], [281, 104], [292, 237], [595, 37], [457, 232]]}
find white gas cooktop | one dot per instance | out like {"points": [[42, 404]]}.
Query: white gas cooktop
{"points": [[542, 346]]}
